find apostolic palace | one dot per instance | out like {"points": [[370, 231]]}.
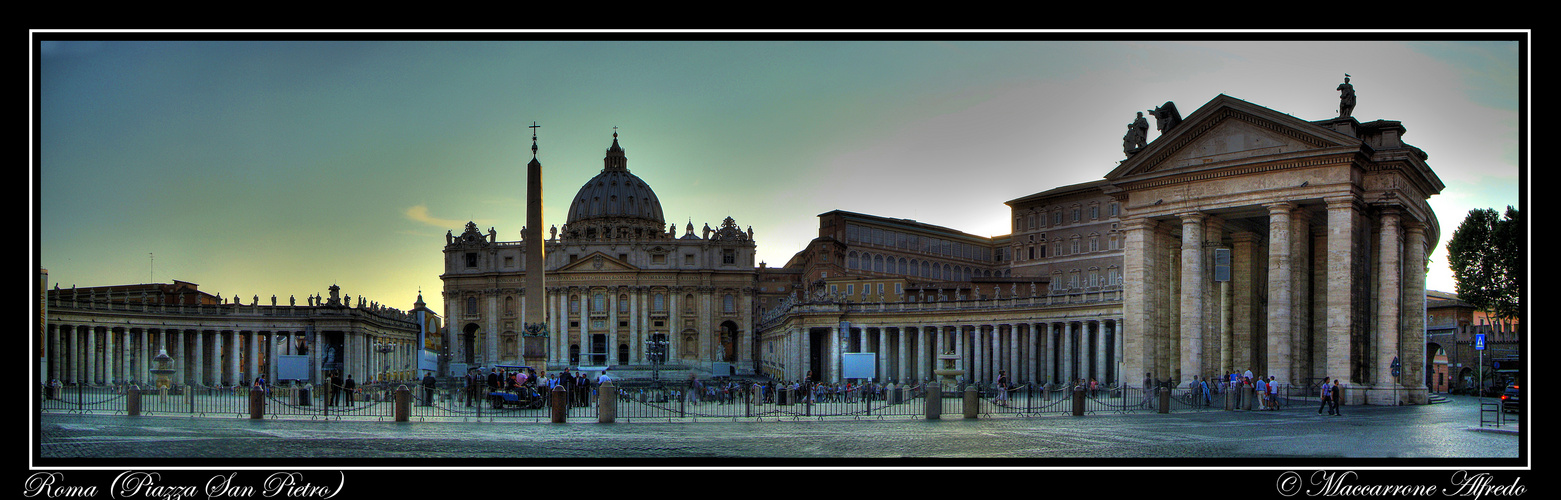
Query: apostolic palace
{"points": [[1239, 238]]}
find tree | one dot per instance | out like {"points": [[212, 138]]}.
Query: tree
{"points": [[1485, 255]]}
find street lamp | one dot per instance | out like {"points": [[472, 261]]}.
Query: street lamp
{"points": [[384, 348], [656, 350]]}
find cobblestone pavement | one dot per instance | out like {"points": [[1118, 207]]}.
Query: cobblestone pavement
{"points": [[1442, 431]]}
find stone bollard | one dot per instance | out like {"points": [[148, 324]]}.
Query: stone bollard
{"points": [[1078, 403], [403, 404], [934, 401], [606, 403], [559, 399], [1165, 399], [133, 401], [972, 402], [1247, 394], [257, 405]]}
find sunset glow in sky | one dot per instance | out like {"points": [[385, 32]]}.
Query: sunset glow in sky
{"points": [[283, 167]]}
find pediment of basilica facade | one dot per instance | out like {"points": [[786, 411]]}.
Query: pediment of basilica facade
{"points": [[597, 262]]}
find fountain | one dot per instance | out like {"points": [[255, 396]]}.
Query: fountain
{"points": [[948, 371], [164, 368]]}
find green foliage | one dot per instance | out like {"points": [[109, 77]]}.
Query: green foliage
{"points": [[1485, 254]]}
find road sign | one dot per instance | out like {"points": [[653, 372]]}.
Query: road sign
{"points": [[1479, 341]]}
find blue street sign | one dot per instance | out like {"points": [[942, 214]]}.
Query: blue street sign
{"points": [[1479, 341]]}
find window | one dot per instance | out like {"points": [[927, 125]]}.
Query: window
{"points": [[1111, 210], [599, 302], [509, 261], [1094, 244], [850, 289], [729, 303], [659, 302], [574, 304], [623, 304], [471, 305], [658, 259], [471, 259], [728, 256], [1094, 212]]}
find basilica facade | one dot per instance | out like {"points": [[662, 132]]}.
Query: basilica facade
{"points": [[624, 289]]}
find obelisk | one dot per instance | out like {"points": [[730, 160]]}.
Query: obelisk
{"points": [[534, 348]]}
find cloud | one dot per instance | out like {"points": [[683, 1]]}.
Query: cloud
{"points": [[419, 213]]}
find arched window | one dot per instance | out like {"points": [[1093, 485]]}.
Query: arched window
{"points": [[471, 305], [902, 266], [877, 263], [852, 261], [623, 304], [574, 304]]}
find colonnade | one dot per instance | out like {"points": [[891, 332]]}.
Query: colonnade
{"points": [[1054, 351], [101, 355], [1309, 291]]}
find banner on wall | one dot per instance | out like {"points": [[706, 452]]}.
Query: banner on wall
{"points": [[431, 337]]}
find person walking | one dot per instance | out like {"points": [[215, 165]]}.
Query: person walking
{"points": [[1327, 396], [1334, 401], [1273, 393], [428, 389], [1002, 387]]}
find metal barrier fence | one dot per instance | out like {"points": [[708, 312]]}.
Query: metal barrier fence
{"points": [[640, 400]]}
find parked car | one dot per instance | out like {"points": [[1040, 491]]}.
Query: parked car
{"points": [[1509, 399]]}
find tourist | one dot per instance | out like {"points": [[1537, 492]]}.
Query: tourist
{"points": [[1327, 396]]}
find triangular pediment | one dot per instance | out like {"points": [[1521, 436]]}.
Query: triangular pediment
{"points": [[1229, 131], [597, 262]]}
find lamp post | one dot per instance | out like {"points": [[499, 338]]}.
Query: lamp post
{"points": [[384, 348], [656, 350]]}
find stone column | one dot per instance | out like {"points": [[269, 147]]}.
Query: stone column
{"points": [[1014, 370], [1138, 306], [1412, 328], [1300, 296], [1192, 289], [1100, 352], [1341, 290], [1069, 369], [254, 356], [923, 356], [1280, 284], [110, 356], [1389, 294], [905, 356], [234, 357], [91, 358]]}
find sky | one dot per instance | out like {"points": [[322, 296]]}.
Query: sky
{"points": [[276, 167]]}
